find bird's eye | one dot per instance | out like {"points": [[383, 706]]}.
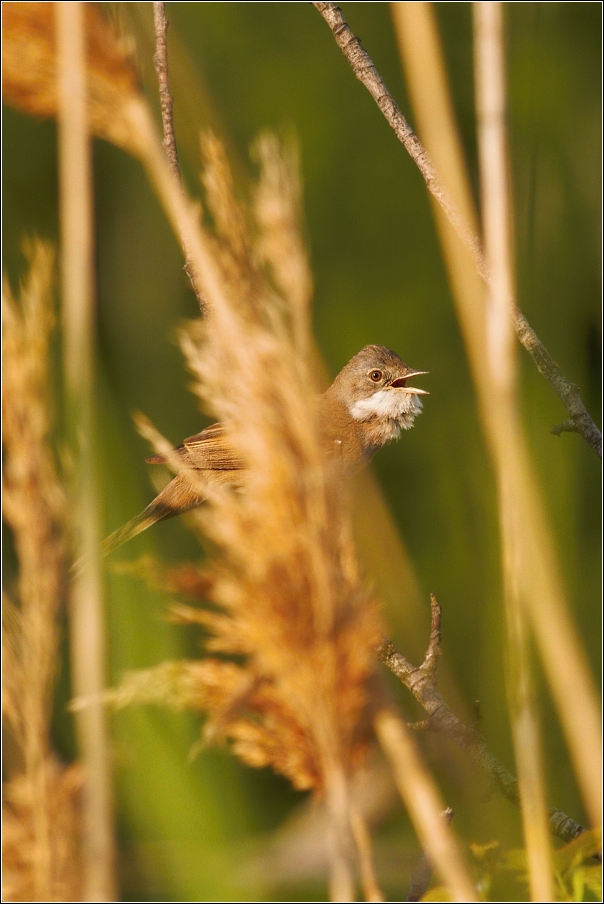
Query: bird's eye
{"points": [[375, 375]]}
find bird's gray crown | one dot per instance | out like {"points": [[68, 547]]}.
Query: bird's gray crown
{"points": [[354, 382]]}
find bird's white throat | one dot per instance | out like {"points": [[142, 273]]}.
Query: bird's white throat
{"points": [[400, 408]]}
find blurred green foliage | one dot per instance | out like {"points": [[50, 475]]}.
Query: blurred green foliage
{"points": [[186, 827], [578, 875]]}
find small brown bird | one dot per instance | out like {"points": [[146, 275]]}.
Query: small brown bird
{"points": [[366, 406]]}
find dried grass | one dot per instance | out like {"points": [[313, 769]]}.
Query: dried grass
{"points": [[52, 873], [285, 573], [41, 825]]}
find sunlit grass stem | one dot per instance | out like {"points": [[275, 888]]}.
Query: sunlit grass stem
{"points": [[86, 611]]}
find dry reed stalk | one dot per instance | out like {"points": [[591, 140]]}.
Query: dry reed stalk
{"points": [[539, 582], [41, 834], [41, 825], [497, 220], [48, 72], [87, 647], [422, 874], [419, 793], [362, 840]]}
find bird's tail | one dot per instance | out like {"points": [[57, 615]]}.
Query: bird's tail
{"points": [[174, 499], [135, 526], [154, 512], [177, 497]]}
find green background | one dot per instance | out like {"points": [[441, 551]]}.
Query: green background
{"points": [[190, 830]]}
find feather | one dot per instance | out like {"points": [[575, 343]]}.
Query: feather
{"points": [[209, 450]]}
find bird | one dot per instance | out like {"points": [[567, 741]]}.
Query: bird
{"points": [[366, 407]]}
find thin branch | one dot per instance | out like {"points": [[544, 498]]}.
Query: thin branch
{"points": [[421, 681], [580, 420], [364, 69], [160, 60], [422, 873], [568, 393]]}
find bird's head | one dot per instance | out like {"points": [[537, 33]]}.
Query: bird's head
{"points": [[374, 385]]}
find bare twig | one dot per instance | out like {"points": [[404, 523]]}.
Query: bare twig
{"points": [[421, 681], [565, 427], [160, 60], [579, 421], [364, 69], [567, 392], [423, 871]]}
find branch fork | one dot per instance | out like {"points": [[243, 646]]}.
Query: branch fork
{"points": [[421, 681]]}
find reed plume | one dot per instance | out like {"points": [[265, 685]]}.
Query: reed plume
{"points": [[285, 573], [29, 69]]}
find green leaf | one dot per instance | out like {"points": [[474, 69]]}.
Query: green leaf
{"points": [[576, 852], [593, 880], [484, 851]]}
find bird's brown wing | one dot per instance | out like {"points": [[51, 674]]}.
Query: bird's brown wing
{"points": [[209, 450]]}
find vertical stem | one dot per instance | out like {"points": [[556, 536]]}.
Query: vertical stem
{"points": [[362, 840], [490, 95], [86, 619], [339, 840], [419, 794]]}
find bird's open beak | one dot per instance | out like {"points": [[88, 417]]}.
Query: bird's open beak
{"points": [[401, 383]]}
